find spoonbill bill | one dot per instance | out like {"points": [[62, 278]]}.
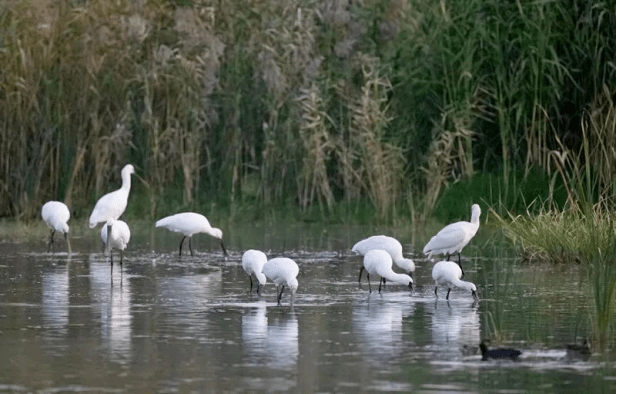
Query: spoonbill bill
{"points": [[190, 223], [112, 205], [454, 237], [56, 215], [379, 262], [448, 273]]}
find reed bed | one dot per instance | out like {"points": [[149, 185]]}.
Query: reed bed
{"points": [[313, 102]]}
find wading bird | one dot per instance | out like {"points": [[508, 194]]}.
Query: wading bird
{"points": [[56, 215], [190, 223], [390, 245], [497, 354], [379, 262], [112, 205], [448, 273], [283, 272], [119, 236], [453, 238], [253, 262]]}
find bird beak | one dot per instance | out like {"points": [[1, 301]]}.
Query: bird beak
{"points": [[475, 296], [259, 286], [68, 243], [225, 250]]}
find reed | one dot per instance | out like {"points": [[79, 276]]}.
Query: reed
{"points": [[313, 102]]}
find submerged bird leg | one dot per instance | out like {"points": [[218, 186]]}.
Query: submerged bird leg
{"points": [[190, 247], [281, 294], [411, 287], [448, 295], [360, 275], [251, 281], [111, 257], [436, 296], [369, 282], [121, 257], [181, 242]]}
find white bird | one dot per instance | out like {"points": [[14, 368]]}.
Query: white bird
{"points": [[453, 238], [379, 262], [119, 238], [448, 273], [283, 272], [253, 262], [56, 215], [390, 245], [112, 205], [190, 223]]}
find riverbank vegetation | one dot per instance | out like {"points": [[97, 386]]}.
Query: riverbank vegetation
{"points": [[330, 108]]}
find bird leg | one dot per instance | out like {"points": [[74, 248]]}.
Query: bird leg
{"points": [[190, 247], [436, 296], [369, 282], [121, 257], [281, 294], [360, 275], [251, 281], [448, 295], [111, 257], [459, 264], [411, 287], [380, 281], [181, 242], [51, 241]]}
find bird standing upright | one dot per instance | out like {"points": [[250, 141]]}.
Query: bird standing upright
{"points": [[56, 215], [190, 223], [453, 238], [112, 205]]}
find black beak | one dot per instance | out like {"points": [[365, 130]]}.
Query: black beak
{"points": [[223, 247], [475, 296]]}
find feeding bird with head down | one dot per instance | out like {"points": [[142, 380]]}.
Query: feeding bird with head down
{"points": [[379, 262], [253, 262], [448, 273], [189, 224], [56, 215], [390, 245], [283, 272], [115, 234]]}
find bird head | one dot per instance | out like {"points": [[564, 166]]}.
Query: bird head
{"points": [[293, 285], [475, 212], [216, 233], [128, 169]]}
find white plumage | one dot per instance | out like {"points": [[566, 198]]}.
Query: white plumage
{"points": [[379, 262], [253, 262], [112, 205], [190, 223], [454, 237], [390, 245], [56, 215], [448, 273], [119, 238], [283, 272]]}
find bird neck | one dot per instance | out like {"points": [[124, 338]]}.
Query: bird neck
{"points": [[126, 181], [261, 278], [398, 278], [461, 284]]}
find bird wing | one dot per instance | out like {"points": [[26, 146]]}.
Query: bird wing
{"points": [[448, 238], [111, 205]]}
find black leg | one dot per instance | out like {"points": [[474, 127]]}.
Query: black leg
{"points": [[111, 257], [251, 281], [181, 242], [380, 281], [459, 264], [121, 257], [436, 296], [281, 294], [360, 275], [369, 282], [51, 241], [190, 247], [448, 295], [448, 257]]}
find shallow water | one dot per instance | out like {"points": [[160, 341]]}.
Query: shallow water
{"points": [[161, 323]]}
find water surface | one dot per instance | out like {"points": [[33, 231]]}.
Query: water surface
{"points": [[161, 323]]}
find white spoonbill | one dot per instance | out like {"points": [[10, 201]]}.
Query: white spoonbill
{"points": [[112, 205], [448, 273], [283, 272], [390, 245], [190, 223], [56, 215], [119, 238], [453, 238], [379, 262], [253, 263]]}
